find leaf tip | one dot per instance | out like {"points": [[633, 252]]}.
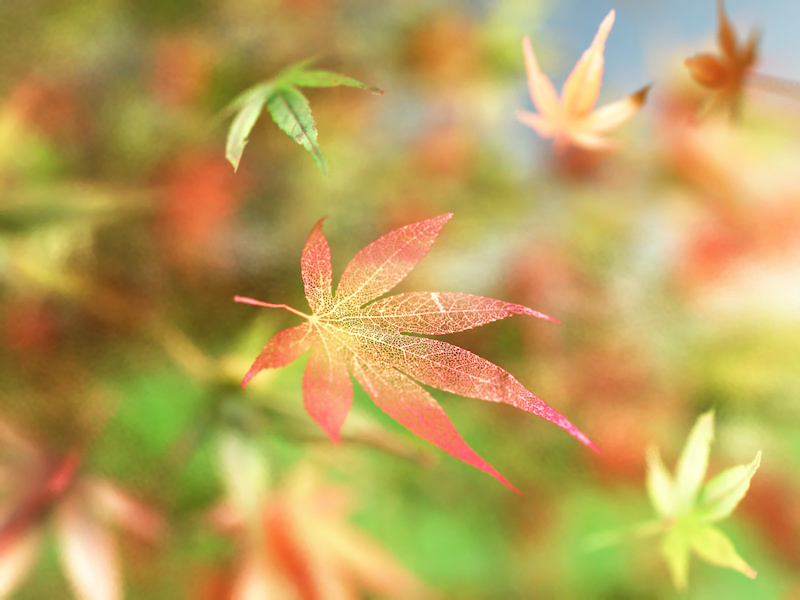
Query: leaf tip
{"points": [[322, 164], [494, 473], [756, 462], [582, 438], [640, 96], [234, 160], [539, 315]]}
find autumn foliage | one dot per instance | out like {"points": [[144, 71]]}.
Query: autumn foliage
{"points": [[726, 73], [572, 118], [352, 332], [631, 170]]}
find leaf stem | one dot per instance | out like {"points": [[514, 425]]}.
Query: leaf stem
{"points": [[606, 539], [182, 350], [775, 85], [254, 302]]}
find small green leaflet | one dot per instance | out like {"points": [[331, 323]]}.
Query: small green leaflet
{"points": [[687, 508], [287, 106]]}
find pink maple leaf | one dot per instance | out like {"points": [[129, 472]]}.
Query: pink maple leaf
{"points": [[351, 332], [81, 509], [296, 541], [573, 119]]}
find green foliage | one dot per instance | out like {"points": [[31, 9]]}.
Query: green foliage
{"points": [[287, 106], [688, 509]]}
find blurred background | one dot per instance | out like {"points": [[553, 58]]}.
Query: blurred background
{"points": [[132, 462]]}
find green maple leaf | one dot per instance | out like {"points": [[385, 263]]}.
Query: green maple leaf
{"points": [[287, 106], [688, 509]]}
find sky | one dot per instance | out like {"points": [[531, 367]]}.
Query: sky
{"points": [[656, 27]]}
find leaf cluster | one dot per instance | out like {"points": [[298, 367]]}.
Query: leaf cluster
{"points": [[287, 106]]}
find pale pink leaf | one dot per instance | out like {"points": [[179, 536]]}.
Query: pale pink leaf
{"points": [[545, 128], [118, 507], [384, 263], [570, 120], [283, 348], [18, 443], [87, 552], [437, 313], [543, 94], [17, 556], [315, 267], [336, 562], [360, 558], [593, 142], [327, 390], [617, 113], [244, 473], [259, 579], [583, 83], [416, 410]]}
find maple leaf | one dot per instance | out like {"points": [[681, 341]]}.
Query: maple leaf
{"points": [[296, 540], [353, 333], [287, 106], [726, 73], [80, 508], [688, 509], [573, 119]]}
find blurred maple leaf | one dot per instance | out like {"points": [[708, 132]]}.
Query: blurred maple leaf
{"points": [[572, 119], [688, 509], [295, 541], [352, 332], [201, 195], [726, 72], [34, 488]]}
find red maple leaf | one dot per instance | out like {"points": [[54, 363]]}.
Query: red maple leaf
{"points": [[352, 332]]}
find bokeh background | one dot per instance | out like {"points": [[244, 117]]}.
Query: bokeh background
{"points": [[673, 265]]}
